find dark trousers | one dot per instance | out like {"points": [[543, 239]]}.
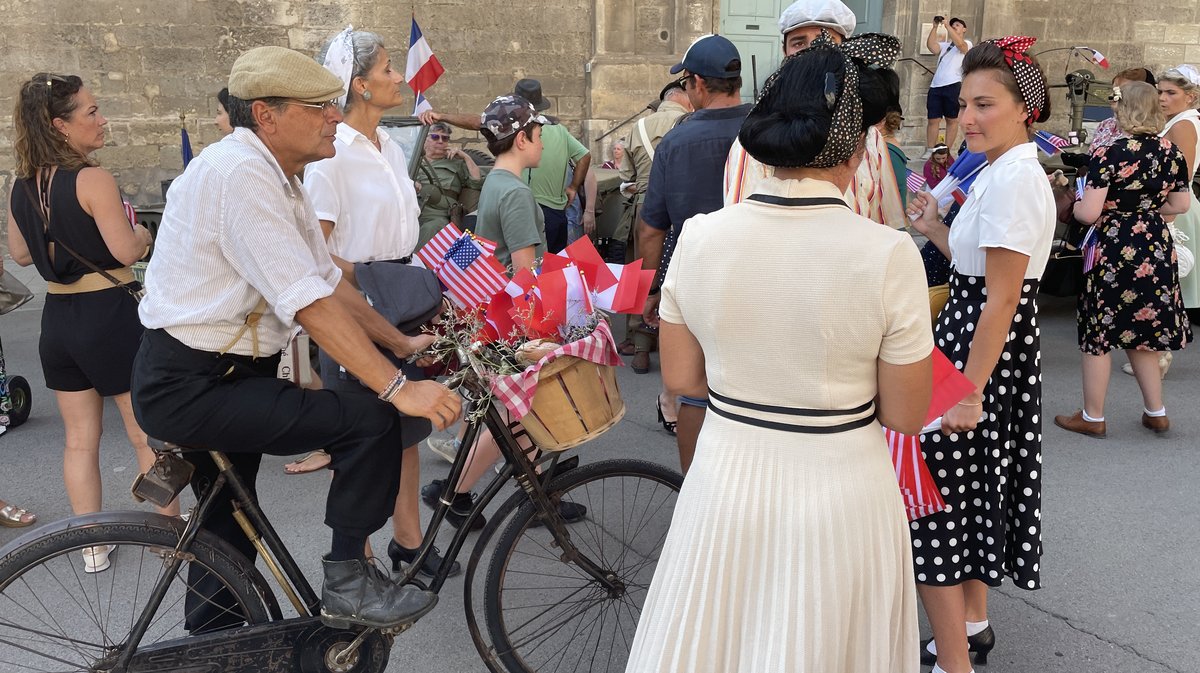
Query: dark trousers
{"points": [[556, 229], [235, 404]]}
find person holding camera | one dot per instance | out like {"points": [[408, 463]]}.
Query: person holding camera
{"points": [[942, 101]]}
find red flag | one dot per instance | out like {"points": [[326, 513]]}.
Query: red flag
{"points": [[591, 264], [554, 295], [624, 300], [552, 263], [499, 315], [645, 280], [950, 386]]}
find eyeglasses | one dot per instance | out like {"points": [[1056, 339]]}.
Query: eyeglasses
{"points": [[438, 137], [682, 81], [323, 107]]}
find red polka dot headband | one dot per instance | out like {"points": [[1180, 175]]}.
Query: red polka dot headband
{"points": [[1030, 80]]}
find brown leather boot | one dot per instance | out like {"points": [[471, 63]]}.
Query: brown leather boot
{"points": [[1159, 424], [1076, 423]]}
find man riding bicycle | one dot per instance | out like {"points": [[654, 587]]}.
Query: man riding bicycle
{"points": [[239, 261]]}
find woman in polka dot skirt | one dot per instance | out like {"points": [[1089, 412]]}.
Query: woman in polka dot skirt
{"points": [[987, 459]]}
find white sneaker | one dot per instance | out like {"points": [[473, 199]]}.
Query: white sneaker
{"points": [[928, 153], [95, 559], [446, 448]]}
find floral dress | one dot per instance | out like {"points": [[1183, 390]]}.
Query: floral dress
{"points": [[1131, 299]]}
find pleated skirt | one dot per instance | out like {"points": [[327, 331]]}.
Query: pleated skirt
{"points": [[787, 553]]}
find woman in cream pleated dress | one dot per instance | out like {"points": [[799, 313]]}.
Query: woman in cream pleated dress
{"points": [[807, 326]]}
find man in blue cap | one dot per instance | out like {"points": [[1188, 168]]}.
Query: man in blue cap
{"points": [[686, 179]]}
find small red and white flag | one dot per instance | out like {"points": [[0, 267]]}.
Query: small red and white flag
{"points": [[422, 69], [915, 182]]}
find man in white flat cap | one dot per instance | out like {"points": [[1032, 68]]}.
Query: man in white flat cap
{"points": [[874, 193]]}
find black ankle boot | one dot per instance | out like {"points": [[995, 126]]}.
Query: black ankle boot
{"points": [[358, 593], [981, 643], [429, 568]]}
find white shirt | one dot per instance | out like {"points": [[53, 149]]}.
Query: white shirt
{"points": [[235, 230], [874, 192], [1009, 205], [367, 194], [949, 65]]}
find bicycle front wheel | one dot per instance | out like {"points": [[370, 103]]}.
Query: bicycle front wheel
{"points": [[55, 615], [546, 614]]}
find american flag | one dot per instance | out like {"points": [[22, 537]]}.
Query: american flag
{"points": [[467, 269], [433, 254], [1050, 143], [915, 181]]}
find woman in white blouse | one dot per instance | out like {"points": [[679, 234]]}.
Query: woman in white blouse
{"points": [[987, 458], [367, 206]]}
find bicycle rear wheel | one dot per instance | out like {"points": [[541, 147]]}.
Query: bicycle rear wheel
{"points": [[546, 614], [54, 616]]}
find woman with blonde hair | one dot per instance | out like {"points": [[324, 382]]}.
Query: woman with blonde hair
{"points": [[367, 206], [66, 216], [1131, 299], [1179, 96]]}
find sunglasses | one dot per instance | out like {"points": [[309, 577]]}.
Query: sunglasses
{"points": [[438, 137], [682, 81]]}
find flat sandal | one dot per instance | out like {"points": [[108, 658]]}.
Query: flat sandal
{"points": [[12, 516]]}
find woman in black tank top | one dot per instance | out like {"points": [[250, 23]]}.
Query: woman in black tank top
{"points": [[66, 213]]}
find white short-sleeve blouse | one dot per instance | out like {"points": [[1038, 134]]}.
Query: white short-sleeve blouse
{"points": [[1010, 205], [367, 194]]}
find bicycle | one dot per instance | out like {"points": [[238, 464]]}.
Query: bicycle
{"points": [[555, 593]]}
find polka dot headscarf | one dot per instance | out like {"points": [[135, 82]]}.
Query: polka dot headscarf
{"points": [[1030, 80], [845, 131]]}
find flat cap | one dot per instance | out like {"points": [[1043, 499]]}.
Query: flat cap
{"points": [[269, 72], [831, 14]]}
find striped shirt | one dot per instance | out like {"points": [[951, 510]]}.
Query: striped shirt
{"points": [[235, 230]]}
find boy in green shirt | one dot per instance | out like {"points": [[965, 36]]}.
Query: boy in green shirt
{"points": [[508, 213]]}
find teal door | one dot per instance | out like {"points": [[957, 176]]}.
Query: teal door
{"points": [[753, 25]]}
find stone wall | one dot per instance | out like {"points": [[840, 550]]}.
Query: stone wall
{"points": [[149, 60], [600, 61]]}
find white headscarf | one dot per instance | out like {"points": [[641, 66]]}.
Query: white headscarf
{"points": [[831, 14], [339, 60], [1188, 72]]}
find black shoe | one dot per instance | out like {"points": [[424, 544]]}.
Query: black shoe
{"points": [[357, 593], [429, 568], [981, 643], [460, 507], [669, 426], [570, 512]]}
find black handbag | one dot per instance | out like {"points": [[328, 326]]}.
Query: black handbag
{"points": [[406, 296], [1064, 273]]}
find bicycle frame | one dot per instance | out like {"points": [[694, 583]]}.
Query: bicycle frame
{"points": [[283, 567]]}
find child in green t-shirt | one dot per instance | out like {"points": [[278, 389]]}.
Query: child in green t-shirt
{"points": [[508, 214]]}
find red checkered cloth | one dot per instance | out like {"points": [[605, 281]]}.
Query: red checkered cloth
{"points": [[516, 392], [920, 493]]}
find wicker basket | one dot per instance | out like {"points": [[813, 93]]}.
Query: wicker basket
{"points": [[576, 401]]}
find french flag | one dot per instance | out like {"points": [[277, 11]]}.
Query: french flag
{"points": [[422, 69]]}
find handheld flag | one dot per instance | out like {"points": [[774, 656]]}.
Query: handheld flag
{"points": [[422, 68], [1050, 143], [915, 182], [958, 180], [185, 146]]}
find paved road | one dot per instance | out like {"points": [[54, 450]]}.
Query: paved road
{"points": [[1122, 517]]}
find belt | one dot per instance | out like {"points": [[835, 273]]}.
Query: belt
{"points": [[792, 411], [183, 354], [91, 282], [402, 260]]}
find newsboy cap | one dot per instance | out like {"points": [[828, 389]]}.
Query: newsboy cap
{"points": [[832, 14], [270, 72]]}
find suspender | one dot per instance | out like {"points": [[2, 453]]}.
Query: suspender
{"points": [[641, 128]]}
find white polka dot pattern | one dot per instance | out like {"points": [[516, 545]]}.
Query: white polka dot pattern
{"points": [[990, 477]]}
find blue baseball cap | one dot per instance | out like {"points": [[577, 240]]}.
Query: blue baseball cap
{"points": [[711, 56]]}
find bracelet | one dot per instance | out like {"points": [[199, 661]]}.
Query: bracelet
{"points": [[977, 404], [394, 386]]}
